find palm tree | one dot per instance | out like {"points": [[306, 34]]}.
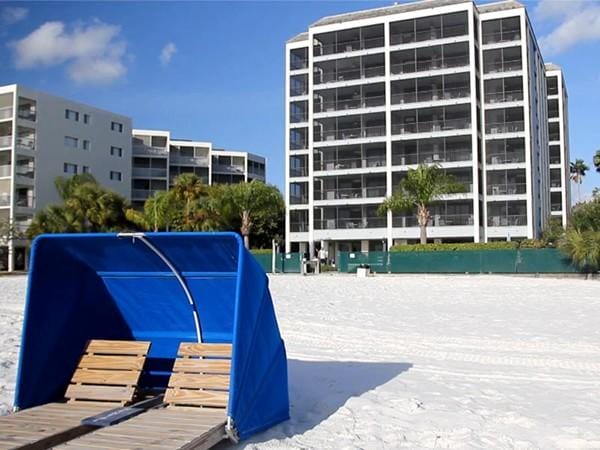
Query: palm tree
{"points": [[421, 187], [583, 247], [251, 202], [578, 170], [190, 191], [597, 160], [159, 213]]}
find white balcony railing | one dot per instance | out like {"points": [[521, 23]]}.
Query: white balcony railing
{"points": [[6, 112]]}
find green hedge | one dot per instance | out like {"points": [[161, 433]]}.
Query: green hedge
{"points": [[449, 247], [261, 251]]}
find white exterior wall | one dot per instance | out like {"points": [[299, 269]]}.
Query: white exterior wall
{"points": [[563, 120]]}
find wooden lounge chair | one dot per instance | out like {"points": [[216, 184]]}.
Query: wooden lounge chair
{"points": [[105, 378], [195, 411]]}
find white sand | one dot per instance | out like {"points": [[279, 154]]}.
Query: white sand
{"points": [[421, 361]]}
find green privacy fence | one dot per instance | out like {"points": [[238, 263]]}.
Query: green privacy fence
{"points": [[284, 263], [464, 261]]}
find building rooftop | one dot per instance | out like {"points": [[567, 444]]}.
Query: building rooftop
{"points": [[499, 6], [299, 38], [552, 66], [386, 11]]}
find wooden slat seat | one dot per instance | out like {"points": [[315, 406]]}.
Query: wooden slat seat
{"points": [[195, 411], [105, 378]]}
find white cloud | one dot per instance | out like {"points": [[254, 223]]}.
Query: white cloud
{"points": [[93, 53], [167, 53], [576, 22], [13, 14]]}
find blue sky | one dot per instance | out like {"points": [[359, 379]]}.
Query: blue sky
{"points": [[214, 70]]}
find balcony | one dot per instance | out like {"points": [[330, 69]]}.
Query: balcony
{"points": [[436, 220], [5, 171], [358, 103], [505, 127], [431, 34], [6, 112], [190, 160], [503, 97], [556, 207], [507, 220], [25, 202], [351, 193], [298, 172], [430, 127], [27, 114], [351, 223], [145, 150], [502, 36], [350, 163], [506, 158], [507, 189], [555, 183], [298, 227], [25, 143], [430, 96], [502, 66], [146, 172], [349, 74], [430, 64], [143, 194], [428, 157], [298, 199], [25, 171], [348, 46], [228, 169], [349, 133], [5, 141]]}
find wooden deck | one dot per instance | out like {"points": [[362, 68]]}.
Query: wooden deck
{"points": [[105, 378], [196, 412]]}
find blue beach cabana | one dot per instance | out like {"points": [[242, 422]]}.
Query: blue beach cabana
{"points": [[165, 288]]}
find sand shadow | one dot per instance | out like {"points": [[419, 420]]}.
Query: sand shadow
{"points": [[319, 388]]}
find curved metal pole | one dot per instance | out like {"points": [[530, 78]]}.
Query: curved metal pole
{"points": [[188, 294]]}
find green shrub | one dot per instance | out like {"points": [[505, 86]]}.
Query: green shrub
{"points": [[327, 268], [261, 251], [583, 247], [453, 247], [532, 243]]}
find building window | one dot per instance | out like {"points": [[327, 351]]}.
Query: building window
{"points": [[116, 126], [86, 118], [70, 168], [116, 151], [71, 142], [114, 175], [86, 145], [71, 115], [85, 169]]}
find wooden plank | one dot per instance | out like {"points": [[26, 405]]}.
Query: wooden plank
{"points": [[134, 348], [199, 381], [216, 366], [111, 362], [197, 349], [101, 376], [196, 398], [105, 393]]}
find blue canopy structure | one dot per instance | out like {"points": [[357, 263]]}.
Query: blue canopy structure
{"points": [[165, 288]]}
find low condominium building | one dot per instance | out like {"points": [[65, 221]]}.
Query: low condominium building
{"points": [[158, 159], [372, 94], [558, 136], [43, 137]]}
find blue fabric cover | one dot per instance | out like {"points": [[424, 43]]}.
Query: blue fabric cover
{"points": [[101, 286]]}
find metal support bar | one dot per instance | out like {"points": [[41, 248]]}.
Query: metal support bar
{"points": [[188, 294]]}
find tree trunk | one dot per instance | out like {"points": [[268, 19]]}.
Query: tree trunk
{"points": [[422, 219], [245, 228]]}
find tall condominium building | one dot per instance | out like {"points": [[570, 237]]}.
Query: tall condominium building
{"points": [[558, 136], [43, 137], [373, 93], [158, 159]]}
